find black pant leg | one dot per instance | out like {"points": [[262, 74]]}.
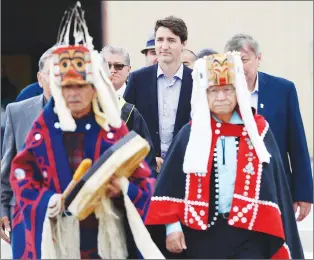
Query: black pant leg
{"points": [[222, 241], [255, 245]]}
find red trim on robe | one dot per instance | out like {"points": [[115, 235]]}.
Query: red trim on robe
{"points": [[166, 210]]}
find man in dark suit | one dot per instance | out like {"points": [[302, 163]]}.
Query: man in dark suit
{"points": [[162, 92], [276, 99], [19, 118]]}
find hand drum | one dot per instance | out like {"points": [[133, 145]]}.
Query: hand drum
{"points": [[121, 159]]}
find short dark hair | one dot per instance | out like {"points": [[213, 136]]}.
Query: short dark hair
{"points": [[205, 52], [174, 24]]}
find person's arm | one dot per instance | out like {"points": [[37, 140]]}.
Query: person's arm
{"points": [[141, 188], [8, 151], [26, 179], [36, 197], [302, 180]]}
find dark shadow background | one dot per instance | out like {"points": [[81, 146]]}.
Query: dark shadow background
{"points": [[30, 27]]}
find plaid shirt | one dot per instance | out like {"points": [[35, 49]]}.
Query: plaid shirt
{"points": [[74, 146]]}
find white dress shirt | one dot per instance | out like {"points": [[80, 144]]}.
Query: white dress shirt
{"points": [[121, 90], [168, 99]]}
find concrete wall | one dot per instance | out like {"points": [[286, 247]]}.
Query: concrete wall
{"points": [[283, 29]]}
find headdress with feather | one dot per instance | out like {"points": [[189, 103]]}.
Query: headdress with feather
{"points": [[79, 63]]}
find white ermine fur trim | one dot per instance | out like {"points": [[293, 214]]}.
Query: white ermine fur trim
{"points": [[243, 97], [66, 120], [107, 97], [142, 238], [61, 238], [100, 117], [198, 148], [67, 33], [111, 233]]}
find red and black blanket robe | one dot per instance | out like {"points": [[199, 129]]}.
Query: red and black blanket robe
{"points": [[261, 201], [42, 169]]}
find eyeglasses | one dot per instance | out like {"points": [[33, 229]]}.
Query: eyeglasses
{"points": [[117, 66], [213, 91]]}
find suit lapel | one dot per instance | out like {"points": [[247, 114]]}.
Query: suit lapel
{"points": [[34, 109], [184, 101], [263, 106]]}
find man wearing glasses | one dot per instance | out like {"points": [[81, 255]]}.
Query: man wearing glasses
{"points": [[119, 66], [222, 191], [116, 63]]}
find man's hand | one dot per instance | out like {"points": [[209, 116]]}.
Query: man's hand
{"points": [[159, 162], [5, 227], [114, 188], [304, 209], [175, 242]]}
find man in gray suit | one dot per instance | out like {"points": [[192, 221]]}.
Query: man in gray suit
{"points": [[19, 119]]}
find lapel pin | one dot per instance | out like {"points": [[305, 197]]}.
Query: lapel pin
{"points": [[262, 105]]}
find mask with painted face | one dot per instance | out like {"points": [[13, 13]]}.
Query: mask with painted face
{"points": [[77, 63]]}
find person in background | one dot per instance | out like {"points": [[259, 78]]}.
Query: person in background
{"points": [[19, 118], [81, 120], [205, 52], [119, 65], [116, 62], [222, 192], [188, 58], [162, 94], [149, 51], [276, 99], [29, 91]]}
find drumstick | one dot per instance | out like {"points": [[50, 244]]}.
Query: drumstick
{"points": [[80, 171]]}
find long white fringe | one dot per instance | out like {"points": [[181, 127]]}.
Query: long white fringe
{"points": [[61, 238], [111, 234], [142, 238], [198, 148], [243, 97]]}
